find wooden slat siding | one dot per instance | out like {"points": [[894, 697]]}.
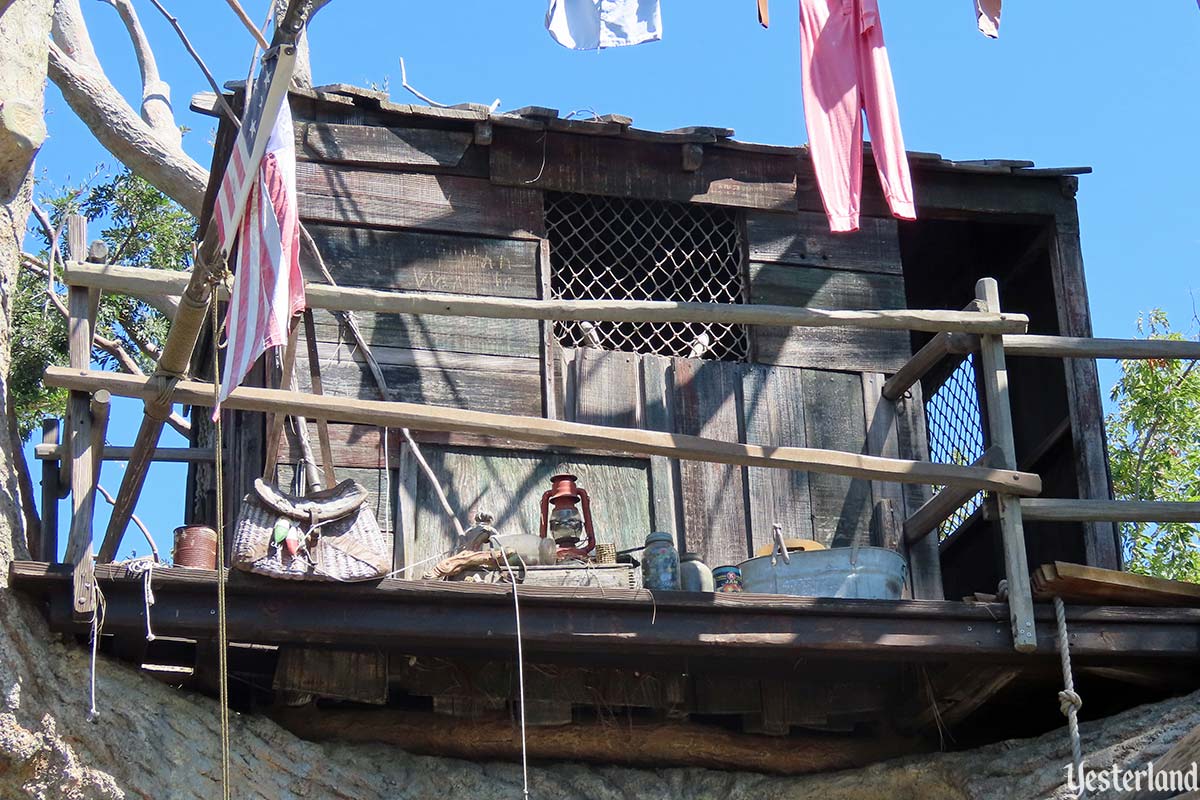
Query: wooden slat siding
{"points": [[427, 262], [509, 484], [924, 558], [606, 388], [488, 337], [1101, 539], [773, 408], [370, 144], [450, 203], [834, 418], [620, 168], [375, 481], [804, 239], [500, 384], [707, 402], [828, 348], [657, 392], [345, 352]]}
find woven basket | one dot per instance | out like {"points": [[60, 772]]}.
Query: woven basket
{"points": [[344, 542]]}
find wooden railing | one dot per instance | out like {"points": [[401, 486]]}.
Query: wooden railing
{"points": [[981, 327]]}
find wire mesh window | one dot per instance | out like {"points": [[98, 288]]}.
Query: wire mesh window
{"points": [[605, 248], [955, 423]]}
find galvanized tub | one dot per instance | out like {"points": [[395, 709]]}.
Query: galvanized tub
{"points": [[865, 572]]}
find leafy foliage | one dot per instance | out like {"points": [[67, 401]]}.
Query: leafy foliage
{"points": [[142, 228], [1154, 450]]}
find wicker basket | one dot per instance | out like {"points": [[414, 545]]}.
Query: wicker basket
{"points": [[342, 539]]}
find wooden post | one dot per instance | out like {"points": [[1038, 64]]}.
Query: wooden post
{"points": [[48, 550], [999, 414], [1100, 539]]}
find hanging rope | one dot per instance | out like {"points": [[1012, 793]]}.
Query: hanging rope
{"points": [[97, 628], [144, 566], [1068, 701], [222, 636], [520, 668]]}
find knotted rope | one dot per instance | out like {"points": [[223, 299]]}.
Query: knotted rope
{"points": [[144, 566], [1069, 702], [222, 635]]}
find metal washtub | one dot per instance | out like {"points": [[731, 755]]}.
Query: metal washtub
{"points": [[860, 572]]}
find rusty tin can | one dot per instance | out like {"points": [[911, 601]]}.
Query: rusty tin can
{"points": [[195, 546]]}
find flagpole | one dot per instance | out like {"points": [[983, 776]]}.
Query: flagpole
{"points": [[174, 362]]}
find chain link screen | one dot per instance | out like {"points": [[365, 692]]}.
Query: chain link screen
{"points": [[955, 423], [605, 248]]}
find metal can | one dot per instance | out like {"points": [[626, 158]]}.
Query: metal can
{"points": [[727, 579], [195, 546], [660, 563], [694, 574]]}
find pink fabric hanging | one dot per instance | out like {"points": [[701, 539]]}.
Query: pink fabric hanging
{"points": [[987, 12], [845, 73]]}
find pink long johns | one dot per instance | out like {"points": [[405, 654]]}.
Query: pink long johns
{"points": [[846, 72]]}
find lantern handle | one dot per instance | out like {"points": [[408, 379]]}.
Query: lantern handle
{"points": [[587, 520], [545, 512]]}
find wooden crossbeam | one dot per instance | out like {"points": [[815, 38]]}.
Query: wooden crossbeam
{"points": [[938, 508], [1039, 346], [563, 434], [50, 451], [1070, 510], [134, 281]]}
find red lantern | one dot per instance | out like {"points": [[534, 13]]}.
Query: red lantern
{"points": [[565, 522]]}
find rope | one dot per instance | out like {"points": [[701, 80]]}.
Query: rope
{"points": [[1069, 702], [520, 670], [144, 566], [97, 626], [222, 635]]}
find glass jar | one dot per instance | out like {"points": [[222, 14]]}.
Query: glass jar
{"points": [[660, 563], [694, 574], [727, 579]]}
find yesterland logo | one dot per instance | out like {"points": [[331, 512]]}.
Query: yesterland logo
{"points": [[1148, 778]]}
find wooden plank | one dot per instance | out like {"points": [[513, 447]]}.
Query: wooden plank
{"points": [[1101, 539], [958, 693], [834, 348], [560, 434], [83, 464], [1066, 510], [419, 261], [551, 352], [1000, 428], [357, 675], [509, 484], [406, 510], [834, 418], [443, 335], [47, 546], [886, 528], [924, 557], [883, 439], [929, 356], [183, 455], [803, 239], [621, 168], [657, 392], [377, 145], [358, 196], [773, 409], [707, 402], [606, 390], [1077, 583], [134, 281]]}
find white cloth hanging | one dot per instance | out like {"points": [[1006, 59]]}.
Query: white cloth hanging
{"points": [[596, 24]]}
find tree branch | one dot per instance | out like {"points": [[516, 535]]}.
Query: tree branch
{"points": [[156, 94], [216, 87], [123, 133]]}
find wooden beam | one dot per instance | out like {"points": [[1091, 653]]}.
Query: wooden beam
{"points": [[47, 451], [99, 407], [560, 624], [127, 280], [938, 508], [83, 464], [642, 744], [1084, 347], [1000, 427], [51, 493], [954, 694], [1056, 510], [940, 346], [555, 433]]}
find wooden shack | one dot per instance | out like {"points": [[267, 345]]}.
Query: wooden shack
{"points": [[529, 205], [746, 369]]}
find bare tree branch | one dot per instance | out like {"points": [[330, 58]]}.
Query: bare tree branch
{"points": [[112, 121], [156, 94], [216, 87]]}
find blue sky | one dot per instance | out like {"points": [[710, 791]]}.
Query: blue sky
{"points": [[1106, 84]]}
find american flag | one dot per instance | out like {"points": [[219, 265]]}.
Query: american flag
{"points": [[268, 288]]}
